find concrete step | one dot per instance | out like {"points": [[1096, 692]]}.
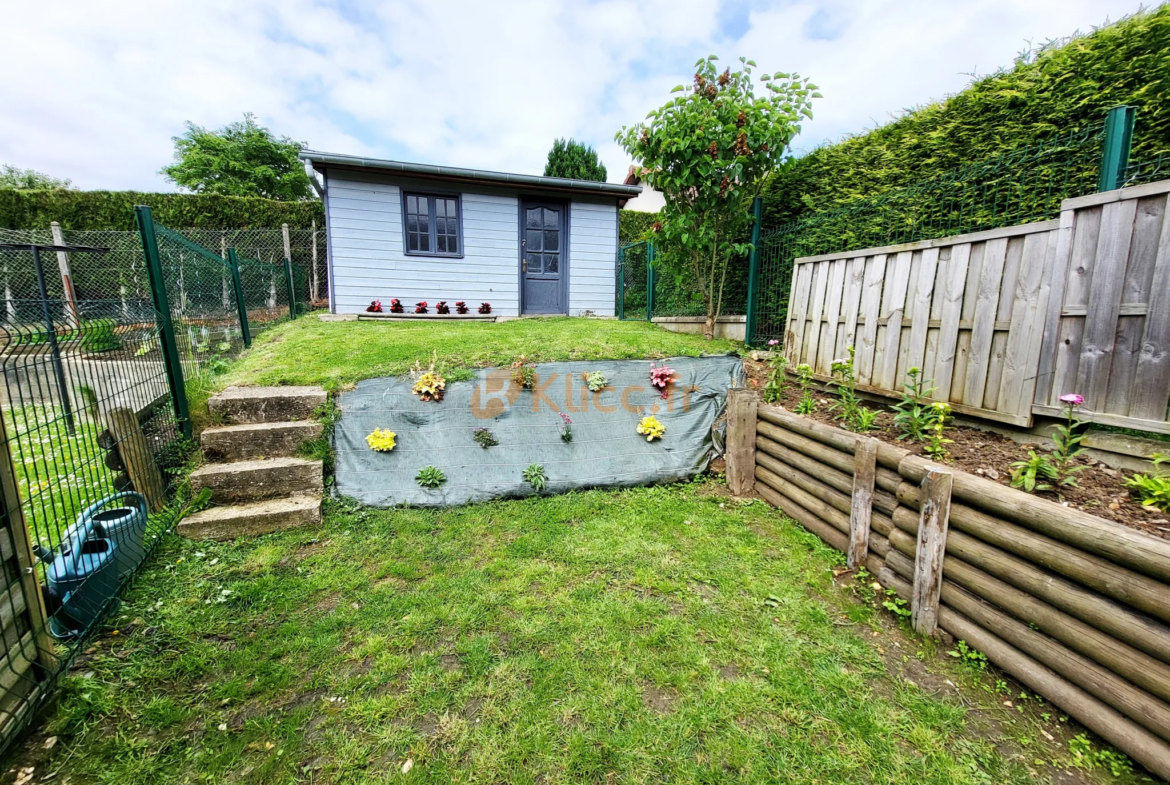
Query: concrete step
{"points": [[246, 405], [249, 520], [268, 478], [258, 440]]}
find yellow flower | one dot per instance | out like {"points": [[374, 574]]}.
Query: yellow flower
{"points": [[651, 428], [430, 386], [381, 441]]}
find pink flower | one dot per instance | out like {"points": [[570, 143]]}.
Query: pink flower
{"points": [[1072, 399], [565, 417], [773, 342]]}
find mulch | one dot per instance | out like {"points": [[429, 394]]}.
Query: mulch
{"points": [[1100, 490]]}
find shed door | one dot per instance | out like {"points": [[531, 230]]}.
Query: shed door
{"points": [[542, 257]]}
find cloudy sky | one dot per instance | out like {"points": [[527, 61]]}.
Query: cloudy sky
{"points": [[95, 90]]}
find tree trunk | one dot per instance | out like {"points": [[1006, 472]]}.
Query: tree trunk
{"points": [[709, 327]]}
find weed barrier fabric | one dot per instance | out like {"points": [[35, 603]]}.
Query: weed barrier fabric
{"points": [[605, 451]]}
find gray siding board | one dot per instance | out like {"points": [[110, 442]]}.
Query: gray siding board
{"points": [[368, 261]]}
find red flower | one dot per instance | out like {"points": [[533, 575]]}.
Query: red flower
{"points": [[420, 307], [442, 307], [485, 308], [461, 307], [375, 307], [395, 306]]}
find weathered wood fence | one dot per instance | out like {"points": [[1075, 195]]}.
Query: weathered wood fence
{"points": [[1005, 321], [1074, 606]]}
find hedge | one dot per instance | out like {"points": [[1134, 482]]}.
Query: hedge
{"points": [[1058, 88], [633, 226], [94, 210]]}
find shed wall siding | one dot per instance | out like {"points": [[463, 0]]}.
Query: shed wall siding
{"points": [[592, 258], [365, 227], [368, 263]]}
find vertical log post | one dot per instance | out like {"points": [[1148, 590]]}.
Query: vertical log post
{"points": [[316, 291], [928, 556], [68, 292], [864, 470], [741, 440]]}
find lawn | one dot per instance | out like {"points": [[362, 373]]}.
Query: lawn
{"points": [[334, 354], [663, 634]]}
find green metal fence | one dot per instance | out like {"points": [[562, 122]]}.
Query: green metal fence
{"points": [[633, 278]]}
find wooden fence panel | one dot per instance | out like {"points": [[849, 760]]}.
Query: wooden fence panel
{"points": [[1003, 322]]}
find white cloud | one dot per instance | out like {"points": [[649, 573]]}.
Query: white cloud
{"points": [[94, 90]]}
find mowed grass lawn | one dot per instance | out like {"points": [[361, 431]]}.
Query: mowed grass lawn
{"points": [[333, 354], [654, 635]]}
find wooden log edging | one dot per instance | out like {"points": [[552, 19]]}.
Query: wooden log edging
{"points": [[1072, 605]]}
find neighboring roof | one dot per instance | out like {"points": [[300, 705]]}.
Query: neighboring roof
{"points": [[632, 177], [456, 174]]}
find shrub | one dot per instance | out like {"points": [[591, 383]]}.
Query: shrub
{"points": [[913, 411], [1152, 490], [430, 477], [534, 475], [484, 438], [651, 428], [381, 440]]}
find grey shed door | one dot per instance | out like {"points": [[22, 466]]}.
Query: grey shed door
{"points": [[542, 256]]}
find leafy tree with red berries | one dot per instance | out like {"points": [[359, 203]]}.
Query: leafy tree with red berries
{"points": [[709, 151]]}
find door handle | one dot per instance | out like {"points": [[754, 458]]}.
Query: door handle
{"points": [[524, 266]]}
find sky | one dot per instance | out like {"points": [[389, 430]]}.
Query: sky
{"points": [[94, 90]]}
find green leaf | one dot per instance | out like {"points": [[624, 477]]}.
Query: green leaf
{"points": [[711, 58], [677, 89], [752, 63]]}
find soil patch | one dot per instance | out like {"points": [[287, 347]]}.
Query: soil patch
{"points": [[1100, 490], [658, 700]]}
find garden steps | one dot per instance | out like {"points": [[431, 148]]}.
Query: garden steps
{"points": [[257, 483], [258, 479], [253, 405], [250, 520], [257, 440]]}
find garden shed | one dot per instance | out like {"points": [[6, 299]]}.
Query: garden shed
{"points": [[424, 233]]}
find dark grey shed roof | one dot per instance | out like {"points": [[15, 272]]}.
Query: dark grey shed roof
{"points": [[456, 174]]}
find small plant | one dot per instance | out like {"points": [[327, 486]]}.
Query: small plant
{"points": [[534, 475], [895, 604], [396, 306], [913, 411], [429, 385], [523, 374], [421, 307], [1033, 474], [566, 428], [804, 377], [856, 416], [381, 440], [969, 656], [484, 438], [461, 307], [866, 420], [936, 443], [1152, 490], [485, 307], [1068, 443], [596, 380], [375, 307], [777, 366], [1085, 757], [442, 307], [651, 428], [661, 377], [430, 477]]}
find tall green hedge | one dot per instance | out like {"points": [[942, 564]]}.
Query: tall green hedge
{"points": [[633, 226], [94, 210], [1058, 88]]}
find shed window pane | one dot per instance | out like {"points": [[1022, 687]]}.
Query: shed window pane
{"points": [[431, 224]]}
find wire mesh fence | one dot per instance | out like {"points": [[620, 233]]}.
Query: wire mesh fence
{"points": [[633, 279], [93, 458], [1148, 170]]}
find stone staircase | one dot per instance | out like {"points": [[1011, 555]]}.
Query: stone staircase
{"points": [[257, 484]]}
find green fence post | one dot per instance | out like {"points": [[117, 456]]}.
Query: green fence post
{"points": [[1115, 154], [292, 289], [749, 327], [238, 285], [621, 283], [649, 281], [158, 292]]}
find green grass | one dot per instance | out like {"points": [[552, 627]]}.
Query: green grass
{"points": [[333, 354], [662, 634]]}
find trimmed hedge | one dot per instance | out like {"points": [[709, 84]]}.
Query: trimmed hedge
{"points": [[1057, 89], [633, 226], [104, 210]]}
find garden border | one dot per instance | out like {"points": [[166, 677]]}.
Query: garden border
{"points": [[1074, 606]]}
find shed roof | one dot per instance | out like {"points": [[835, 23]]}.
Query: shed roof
{"points": [[457, 174]]}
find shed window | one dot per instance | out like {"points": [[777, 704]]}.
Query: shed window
{"points": [[432, 225]]}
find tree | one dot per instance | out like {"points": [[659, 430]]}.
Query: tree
{"points": [[29, 179], [574, 160], [240, 159], [709, 151]]}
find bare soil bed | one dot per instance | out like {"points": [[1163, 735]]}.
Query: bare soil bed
{"points": [[1100, 490]]}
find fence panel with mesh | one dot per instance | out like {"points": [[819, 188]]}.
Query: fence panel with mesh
{"points": [[633, 273]]}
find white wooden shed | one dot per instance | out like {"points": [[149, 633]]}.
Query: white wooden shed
{"points": [[417, 232]]}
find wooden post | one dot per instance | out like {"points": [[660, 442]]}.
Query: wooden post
{"points": [[864, 471], [67, 290], [928, 556], [741, 440], [134, 450]]}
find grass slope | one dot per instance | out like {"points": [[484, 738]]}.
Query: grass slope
{"points": [[661, 634], [309, 351]]}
